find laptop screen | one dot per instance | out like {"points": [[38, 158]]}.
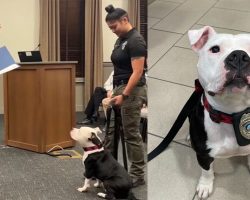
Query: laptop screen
{"points": [[30, 56]]}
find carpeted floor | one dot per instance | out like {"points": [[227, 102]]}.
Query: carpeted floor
{"points": [[25, 175]]}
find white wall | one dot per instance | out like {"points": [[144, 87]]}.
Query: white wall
{"points": [[20, 25], [19, 20], [109, 38]]}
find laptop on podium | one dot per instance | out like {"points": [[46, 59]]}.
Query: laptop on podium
{"points": [[30, 56]]}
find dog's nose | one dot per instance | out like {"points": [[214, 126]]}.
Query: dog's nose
{"points": [[237, 60]]}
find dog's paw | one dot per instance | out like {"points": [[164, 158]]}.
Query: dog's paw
{"points": [[102, 195], [204, 190], [82, 189]]}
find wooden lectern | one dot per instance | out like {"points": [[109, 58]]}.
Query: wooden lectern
{"points": [[39, 105]]}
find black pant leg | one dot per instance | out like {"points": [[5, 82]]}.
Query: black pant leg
{"points": [[95, 101], [89, 110], [99, 94]]}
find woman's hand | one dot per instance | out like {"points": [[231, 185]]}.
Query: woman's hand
{"points": [[109, 93], [117, 100]]}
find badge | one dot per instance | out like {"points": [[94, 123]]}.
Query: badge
{"points": [[241, 124], [245, 125], [124, 44]]}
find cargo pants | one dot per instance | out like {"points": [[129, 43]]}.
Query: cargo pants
{"points": [[131, 116]]}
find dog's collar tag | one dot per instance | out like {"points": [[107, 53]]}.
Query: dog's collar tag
{"points": [[245, 125], [241, 123]]}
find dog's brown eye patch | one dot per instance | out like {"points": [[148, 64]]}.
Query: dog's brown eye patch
{"points": [[215, 49]]}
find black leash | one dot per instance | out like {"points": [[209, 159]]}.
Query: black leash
{"points": [[50, 152], [60, 154], [192, 101]]}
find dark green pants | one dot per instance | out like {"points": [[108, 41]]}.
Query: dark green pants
{"points": [[131, 116]]}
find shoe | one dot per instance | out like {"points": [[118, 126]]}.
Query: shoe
{"points": [[86, 121], [95, 116], [137, 182]]}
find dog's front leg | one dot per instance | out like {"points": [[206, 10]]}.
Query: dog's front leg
{"points": [[97, 183], [85, 186], [205, 185]]}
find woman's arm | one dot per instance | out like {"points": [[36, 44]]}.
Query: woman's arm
{"points": [[137, 66]]}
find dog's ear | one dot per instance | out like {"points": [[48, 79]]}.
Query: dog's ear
{"points": [[198, 38], [74, 133], [98, 131]]}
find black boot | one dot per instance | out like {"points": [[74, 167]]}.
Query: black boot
{"points": [[88, 120], [95, 116]]}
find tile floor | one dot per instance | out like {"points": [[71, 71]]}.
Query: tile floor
{"points": [[172, 69]]}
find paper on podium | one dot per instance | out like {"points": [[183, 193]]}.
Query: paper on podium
{"points": [[7, 63]]}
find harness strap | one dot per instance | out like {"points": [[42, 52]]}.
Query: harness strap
{"points": [[216, 115], [192, 101]]}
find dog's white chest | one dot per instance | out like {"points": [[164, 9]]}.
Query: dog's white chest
{"points": [[221, 139]]}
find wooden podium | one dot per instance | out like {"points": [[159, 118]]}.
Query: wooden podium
{"points": [[39, 105]]}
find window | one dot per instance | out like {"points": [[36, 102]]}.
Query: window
{"points": [[72, 33]]}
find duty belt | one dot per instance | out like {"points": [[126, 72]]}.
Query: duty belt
{"points": [[120, 82], [125, 81]]}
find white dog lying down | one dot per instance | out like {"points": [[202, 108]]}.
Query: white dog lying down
{"points": [[101, 165]]}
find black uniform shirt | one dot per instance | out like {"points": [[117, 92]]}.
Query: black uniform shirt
{"points": [[132, 44]]}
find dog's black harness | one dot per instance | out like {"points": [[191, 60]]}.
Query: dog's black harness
{"points": [[240, 121]]}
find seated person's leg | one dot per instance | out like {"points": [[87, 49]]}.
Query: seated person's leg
{"points": [[93, 105], [99, 94]]}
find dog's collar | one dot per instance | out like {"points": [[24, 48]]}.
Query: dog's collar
{"points": [[216, 115], [91, 148]]}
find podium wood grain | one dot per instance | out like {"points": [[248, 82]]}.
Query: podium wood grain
{"points": [[39, 105]]}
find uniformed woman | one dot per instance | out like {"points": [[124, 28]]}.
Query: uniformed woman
{"points": [[129, 60]]}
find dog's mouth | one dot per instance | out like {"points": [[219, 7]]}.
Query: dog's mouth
{"points": [[234, 82]]}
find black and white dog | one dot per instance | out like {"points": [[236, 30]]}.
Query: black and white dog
{"points": [[220, 123], [101, 165]]}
